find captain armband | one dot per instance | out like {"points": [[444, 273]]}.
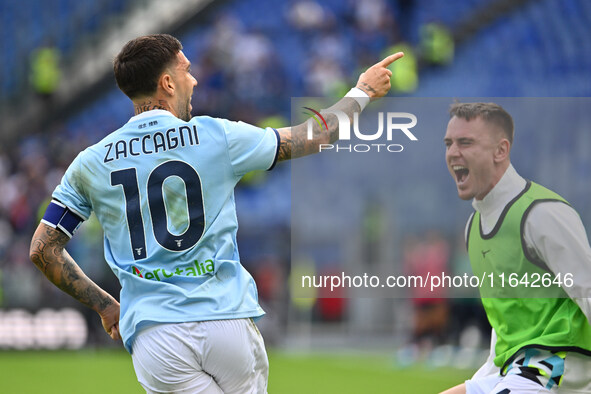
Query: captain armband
{"points": [[57, 215]]}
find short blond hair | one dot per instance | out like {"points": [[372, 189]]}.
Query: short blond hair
{"points": [[489, 112]]}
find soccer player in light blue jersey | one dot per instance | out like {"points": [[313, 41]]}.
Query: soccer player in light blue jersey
{"points": [[162, 188]]}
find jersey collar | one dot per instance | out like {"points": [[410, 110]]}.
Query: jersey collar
{"points": [[148, 114], [509, 186]]}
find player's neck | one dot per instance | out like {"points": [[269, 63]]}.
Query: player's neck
{"points": [[149, 103]]}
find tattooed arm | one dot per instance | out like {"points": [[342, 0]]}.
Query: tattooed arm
{"points": [[47, 252], [375, 81]]}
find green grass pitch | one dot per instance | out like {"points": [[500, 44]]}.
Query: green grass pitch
{"points": [[102, 371]]}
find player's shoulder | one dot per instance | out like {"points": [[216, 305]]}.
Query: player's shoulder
{"points": [[211, 121], [544, 200], [549, 212], [101, 144], [542, 192], [210, 128], [222, 122], [229, 129]]}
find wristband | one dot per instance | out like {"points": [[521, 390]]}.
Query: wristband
{"points": [[360, 96]]}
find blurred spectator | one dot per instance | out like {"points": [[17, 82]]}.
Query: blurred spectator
{"points": [[211, 96], [239, 73], [308, 15], [255, 72], [270, 276], [331, 45], [224, 34], [405, 19], [45, 70], [428, 257], [375, 26], [405, 75], [21, 285], [437, 44], [331, 305], [324, 77], [374, 230]]}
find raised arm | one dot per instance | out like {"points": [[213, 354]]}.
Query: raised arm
{"points": [[48, 253], [375, 82]]}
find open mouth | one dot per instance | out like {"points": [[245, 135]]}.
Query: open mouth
{"points": [[461, 173]]}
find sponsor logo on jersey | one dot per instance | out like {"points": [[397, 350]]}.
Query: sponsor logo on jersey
{"points": [[193, 269]]}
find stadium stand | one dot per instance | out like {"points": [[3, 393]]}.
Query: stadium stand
{"points": [[246, 55]]}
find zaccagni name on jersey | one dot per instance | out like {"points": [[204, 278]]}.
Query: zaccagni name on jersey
{"points": [[152, 143]]}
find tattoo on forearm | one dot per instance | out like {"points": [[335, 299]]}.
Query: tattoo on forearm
{"points": [[149, 105], [285, 147], [49, 255], [295, 142]]}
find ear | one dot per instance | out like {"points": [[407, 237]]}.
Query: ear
{"points": [[166, 83], [502, 150]]}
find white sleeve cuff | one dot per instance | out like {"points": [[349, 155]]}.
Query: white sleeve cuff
{"points": [[360, 96]]}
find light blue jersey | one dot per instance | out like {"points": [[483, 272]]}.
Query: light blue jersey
{"points": [[163, 191]]}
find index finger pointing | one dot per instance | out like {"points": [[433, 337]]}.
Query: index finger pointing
{"points": [[391, 59]]}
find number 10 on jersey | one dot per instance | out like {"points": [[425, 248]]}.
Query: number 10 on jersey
{"points": [[128, 179]]}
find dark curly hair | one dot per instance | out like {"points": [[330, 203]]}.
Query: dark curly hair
{"points": [[141, 62]]}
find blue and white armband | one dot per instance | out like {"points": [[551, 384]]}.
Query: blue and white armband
{"points": [[57, 215]]}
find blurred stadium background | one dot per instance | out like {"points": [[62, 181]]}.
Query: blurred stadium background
{"points": [[58, 95]]}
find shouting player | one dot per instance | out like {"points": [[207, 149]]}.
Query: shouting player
{"points": [[541, 339], [162, 188]]}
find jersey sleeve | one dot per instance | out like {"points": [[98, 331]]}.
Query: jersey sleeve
{"points": [[70, 190], [555, 234], [489, 368], [251, 148]]}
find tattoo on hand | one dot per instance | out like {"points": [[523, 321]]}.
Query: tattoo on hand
{"points": [[367, 87]]}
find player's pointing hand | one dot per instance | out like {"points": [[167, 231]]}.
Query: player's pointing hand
{"points": [[375, 81], [390, 59]]}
